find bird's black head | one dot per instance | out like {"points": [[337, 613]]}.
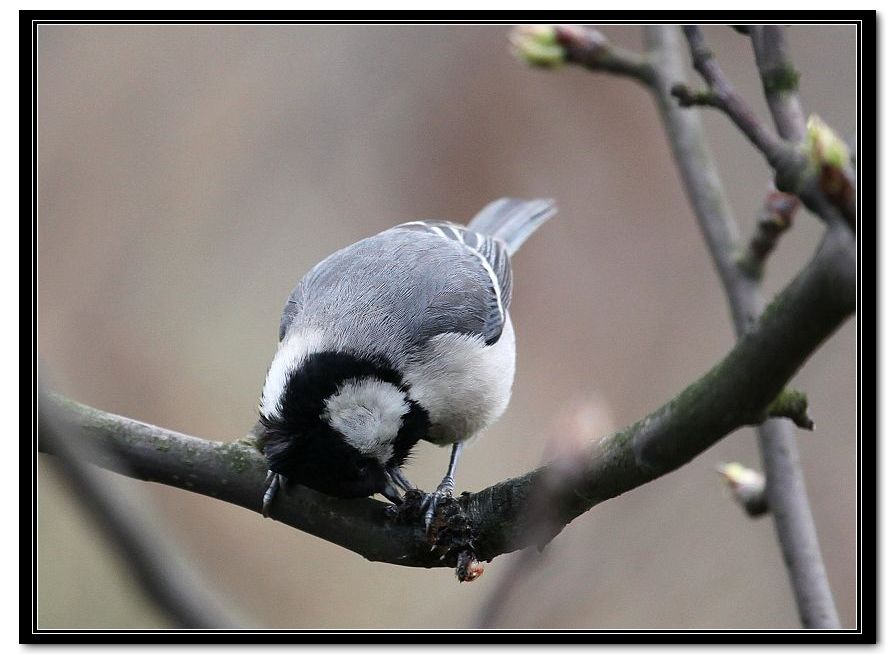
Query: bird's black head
{"points": [[340, 423]]}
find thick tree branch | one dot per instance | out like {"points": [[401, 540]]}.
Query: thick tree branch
{"points": [[729, 396]]}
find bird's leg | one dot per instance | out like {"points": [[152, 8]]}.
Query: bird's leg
{"points": [[445, 489], [272, 484]]}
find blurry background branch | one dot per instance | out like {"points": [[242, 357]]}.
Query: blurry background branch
{"points": [[167, 578], [575, 425]]}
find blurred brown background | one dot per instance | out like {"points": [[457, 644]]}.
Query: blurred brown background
{"points": [[189, 175]]}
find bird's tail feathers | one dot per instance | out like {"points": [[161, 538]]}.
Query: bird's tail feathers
{"points": [[512, 220]]}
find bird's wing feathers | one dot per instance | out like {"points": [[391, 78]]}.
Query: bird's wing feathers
{"points": [[398, 289], [481, 306], [292, 308]]}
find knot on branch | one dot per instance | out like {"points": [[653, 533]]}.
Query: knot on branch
{"points": [[781, 78], [451, 535], [775, 218], [793, 405], [687, 97]]}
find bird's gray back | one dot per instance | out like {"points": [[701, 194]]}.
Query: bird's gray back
{"points": [[390, 293]]}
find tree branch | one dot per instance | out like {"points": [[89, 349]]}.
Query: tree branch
{"points": [[494, 520], [780, 80], [690, 148], [798, 171], [778, 153], [786, 492], [700, 178], [163, 572], [553, 45]]}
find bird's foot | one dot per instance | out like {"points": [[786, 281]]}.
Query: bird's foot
{"points": [[432, 508], [272, 485], [442, 495]]}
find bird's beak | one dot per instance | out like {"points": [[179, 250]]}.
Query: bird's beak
{"points": [[392, 491], [398, 478]]}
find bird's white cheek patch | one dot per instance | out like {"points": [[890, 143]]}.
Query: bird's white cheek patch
{"points": [[368, 413], [291, 353]]}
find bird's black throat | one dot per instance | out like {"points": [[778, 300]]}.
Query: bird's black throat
{"points": [[301, 445]]}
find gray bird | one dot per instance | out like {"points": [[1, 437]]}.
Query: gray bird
{"points": [[400, 337]]}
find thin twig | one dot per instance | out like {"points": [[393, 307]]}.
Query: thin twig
{"points": [[786, 491], [777, 152], [590, 49], [836, 182], [553, 45]]}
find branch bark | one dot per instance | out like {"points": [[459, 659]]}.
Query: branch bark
{"points": [[732, 394]]}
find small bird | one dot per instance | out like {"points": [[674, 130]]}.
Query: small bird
{"points": [[400, 337]]}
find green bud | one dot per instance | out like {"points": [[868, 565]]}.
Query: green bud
{"points": [[537, 45], [824, 146]]}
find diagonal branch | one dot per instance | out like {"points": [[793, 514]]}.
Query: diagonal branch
{"points": [[725, 97], [732, 394], [700, 177]]}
